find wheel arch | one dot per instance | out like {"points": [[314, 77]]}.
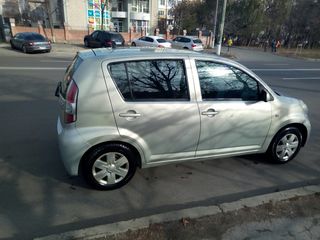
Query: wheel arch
{"points": [[303, 130], [130, 146]]}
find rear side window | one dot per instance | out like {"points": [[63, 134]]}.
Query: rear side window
{"points": [[197, 41], [69, 73], [116, 37], [160, 40], [154, 80]]}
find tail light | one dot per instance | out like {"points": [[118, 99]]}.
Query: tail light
{"points": [[193, 45], [70, 114], [160, 46]]}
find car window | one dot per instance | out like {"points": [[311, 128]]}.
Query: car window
{"points": [[69, 73], [177, 39], [185, 40], [35, 37], [142, 38], [116, 37], [94, 34], [223, 82], [197, 40], [148, 39], [154, 80], [161, 40]]}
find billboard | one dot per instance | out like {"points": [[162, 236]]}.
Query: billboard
{"points": [[95, 15]]}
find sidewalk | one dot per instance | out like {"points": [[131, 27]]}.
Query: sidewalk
{"points": [[291, 214]]}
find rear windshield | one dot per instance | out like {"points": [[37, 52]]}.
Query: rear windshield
{"points": [[160, 40], [116, 37], [35, 37], [197, 41], [69, 73]]}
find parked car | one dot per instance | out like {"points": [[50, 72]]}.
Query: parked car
{"points": [[131, 108], [30, 42], [186, 42], [151, 41], [100, 38]]}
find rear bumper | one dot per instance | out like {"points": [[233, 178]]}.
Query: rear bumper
{"points": [[71, 146], [38, 48]]}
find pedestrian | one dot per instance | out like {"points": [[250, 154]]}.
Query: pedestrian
{"points": [[230, 42], [273, 45], [278, 44]]}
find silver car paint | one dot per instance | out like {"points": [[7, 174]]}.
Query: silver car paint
{"points": [[174, 135]]}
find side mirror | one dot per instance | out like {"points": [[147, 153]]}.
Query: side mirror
{"points": [[265, 96]]}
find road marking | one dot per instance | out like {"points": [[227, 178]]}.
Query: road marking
{"points": [[302, 78], [32, 68], [56, 61], [276, 64], [285, 69]]}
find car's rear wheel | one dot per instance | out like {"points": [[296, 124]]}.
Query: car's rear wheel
{"points": [[86, 43], [285, 145], [109, 166], [133, 44]]}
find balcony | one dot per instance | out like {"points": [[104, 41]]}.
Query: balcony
{"points": [[119, 14], [140, 16]]}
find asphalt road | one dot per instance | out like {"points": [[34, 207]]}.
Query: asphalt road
{"points": [[38, 198]]}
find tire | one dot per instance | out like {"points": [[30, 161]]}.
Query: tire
{"points": [[109, 166], [24, 49], [133, 44], [285, 145], [86, 43], [12, 46]]}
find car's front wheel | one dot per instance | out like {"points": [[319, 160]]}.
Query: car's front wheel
{"points": [[24, 49], [109, 166], [133, 44], [285, 145]]}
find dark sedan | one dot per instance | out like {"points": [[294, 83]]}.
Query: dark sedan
{"points": [[30, 42], [101, 38]]}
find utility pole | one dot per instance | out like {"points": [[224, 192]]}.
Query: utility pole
{"points": [[221, 26], [215, 24]]}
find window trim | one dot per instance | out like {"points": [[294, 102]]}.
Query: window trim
{"points": [[151, 100]]}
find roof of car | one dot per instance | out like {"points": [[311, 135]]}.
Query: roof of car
{"points": [[100, 54]]}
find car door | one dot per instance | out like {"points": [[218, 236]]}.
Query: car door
{"points": [[154, 107], [94, 42], [233, 118], [176, 42]]}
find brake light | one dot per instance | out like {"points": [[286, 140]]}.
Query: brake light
{"points": [[160, 46], [109, 43], [193, 45], [70, 114]]}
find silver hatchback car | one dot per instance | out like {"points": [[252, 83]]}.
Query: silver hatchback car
{"points": [[128, 108]]}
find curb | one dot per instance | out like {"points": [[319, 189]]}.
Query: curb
{"points": [[102, 231]]}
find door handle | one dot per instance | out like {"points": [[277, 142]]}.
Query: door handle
{"points": [[130, 114], [210, 113]]}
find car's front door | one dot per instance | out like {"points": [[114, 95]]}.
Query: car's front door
{"points": [[233, 118], [154, 107]]}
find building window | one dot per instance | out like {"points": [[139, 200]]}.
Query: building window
{"points": [[141, 6], [162, 2], [161, 13]]}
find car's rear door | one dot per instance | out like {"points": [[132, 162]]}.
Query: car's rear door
{"points": [[154, 105]]}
